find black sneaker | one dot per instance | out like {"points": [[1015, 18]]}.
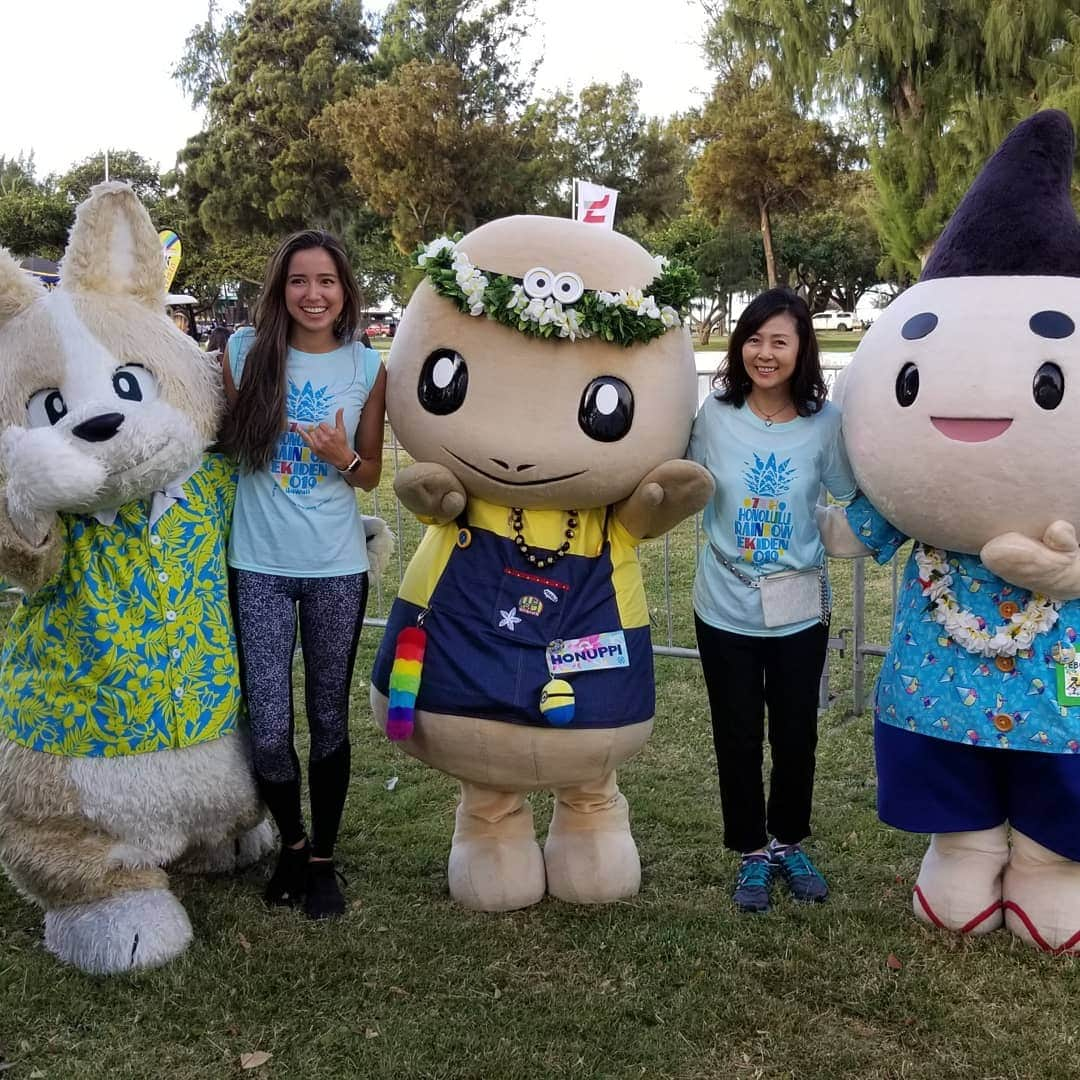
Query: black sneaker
{"points": [[286, 885], [751, 893], [323, 899], [804, 880]]}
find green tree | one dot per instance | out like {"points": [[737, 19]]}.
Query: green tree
{"points": [[645, 159], [35, 222], [17, 174], [726, 255], [937, 86], [126, 165], [483, 39], [831, 252], [258, 166], [207, 57], [760, 156], [417, 156]]}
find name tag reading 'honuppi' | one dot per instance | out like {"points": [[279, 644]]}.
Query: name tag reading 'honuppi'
{"points": [[591, 653]]}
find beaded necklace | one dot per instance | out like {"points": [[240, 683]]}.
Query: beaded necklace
{"points": [[523, 547]]}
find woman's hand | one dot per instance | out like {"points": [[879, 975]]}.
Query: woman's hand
{"points": [[331, 444]]}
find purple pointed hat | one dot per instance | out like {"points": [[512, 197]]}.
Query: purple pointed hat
{"points": [[1017, 218]]}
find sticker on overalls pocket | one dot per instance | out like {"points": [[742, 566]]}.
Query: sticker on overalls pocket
{"points": [[592, 653]]}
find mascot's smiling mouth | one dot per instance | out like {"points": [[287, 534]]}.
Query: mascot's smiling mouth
{"points": [[514, 483], [970, 430]]}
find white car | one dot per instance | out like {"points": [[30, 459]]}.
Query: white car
{"points": [[837, 320]]}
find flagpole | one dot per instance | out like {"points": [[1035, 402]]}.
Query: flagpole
{"points": [[106, 166]]}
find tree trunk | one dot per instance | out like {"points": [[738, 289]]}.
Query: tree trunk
{"points": [[766, 239]]}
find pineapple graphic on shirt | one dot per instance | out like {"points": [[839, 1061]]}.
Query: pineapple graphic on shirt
{"points": [[763, 525], [296, 469]]}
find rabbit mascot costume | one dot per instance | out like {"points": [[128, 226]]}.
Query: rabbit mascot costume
{"points": [[543, 382], [119, 691], [962, 422]]}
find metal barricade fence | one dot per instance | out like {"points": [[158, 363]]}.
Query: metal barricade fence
{"points": [[672, 562]]}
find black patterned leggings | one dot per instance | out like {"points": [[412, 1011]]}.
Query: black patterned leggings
{"points": [[331, 613]]}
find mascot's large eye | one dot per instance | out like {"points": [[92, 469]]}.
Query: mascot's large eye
{"points": [[46, 408], [134, 383], [1048, 386], [444, 380], [907, 385], [607, 409]]}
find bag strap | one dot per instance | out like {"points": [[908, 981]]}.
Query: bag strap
{"points": [[749, 582]]}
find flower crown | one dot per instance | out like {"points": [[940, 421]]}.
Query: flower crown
{"points": [[545, 304]]}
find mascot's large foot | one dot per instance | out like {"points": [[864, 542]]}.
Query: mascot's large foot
{"points": [[590, 853], [230, 855], [959, 885], [495, 861], [131, 930], [1042, 896]]}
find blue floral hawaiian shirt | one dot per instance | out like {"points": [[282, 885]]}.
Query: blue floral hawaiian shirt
{"points": [[931, 684]]}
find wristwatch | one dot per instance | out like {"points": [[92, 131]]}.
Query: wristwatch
{"points": [[352, 464]]}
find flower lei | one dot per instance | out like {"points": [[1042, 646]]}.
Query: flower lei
{"points": [[623, 318], [969, 630]]}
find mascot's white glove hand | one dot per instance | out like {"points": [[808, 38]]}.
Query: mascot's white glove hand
{"points": [[1050, 566], [837, 535], [44, 474]]}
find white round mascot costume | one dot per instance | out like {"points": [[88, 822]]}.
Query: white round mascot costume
{"points": [[962, 421], [119, 689], [543, 382]]}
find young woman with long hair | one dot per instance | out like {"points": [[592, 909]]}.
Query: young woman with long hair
{"points": [[770, 439], [305, 422]]}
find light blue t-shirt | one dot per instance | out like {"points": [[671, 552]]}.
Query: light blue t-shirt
{"points": [[762, 516], [298, 516]]}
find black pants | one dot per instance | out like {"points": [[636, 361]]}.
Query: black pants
{"points": [[743, 675], [331, 614]]}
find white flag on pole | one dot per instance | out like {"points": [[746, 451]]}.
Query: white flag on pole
{"points": [[595, 203]]}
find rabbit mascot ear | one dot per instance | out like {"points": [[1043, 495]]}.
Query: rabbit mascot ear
{"points": [[962, 419], [119, 746]]}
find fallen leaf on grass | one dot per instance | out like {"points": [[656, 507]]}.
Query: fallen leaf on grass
{"points": [[254, 1059], [893, 963], [244, 943]]}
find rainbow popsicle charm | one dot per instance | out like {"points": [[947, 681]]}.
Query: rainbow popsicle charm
{"points": [[405, 682]]}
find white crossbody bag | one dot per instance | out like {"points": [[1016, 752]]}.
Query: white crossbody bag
{"points": [[788, 596]]}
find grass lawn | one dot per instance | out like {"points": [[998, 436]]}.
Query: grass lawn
{"points": [[671, 984], [828, 341]]}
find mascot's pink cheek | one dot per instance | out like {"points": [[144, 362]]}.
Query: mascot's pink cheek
{"points": [[969, 430]]}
